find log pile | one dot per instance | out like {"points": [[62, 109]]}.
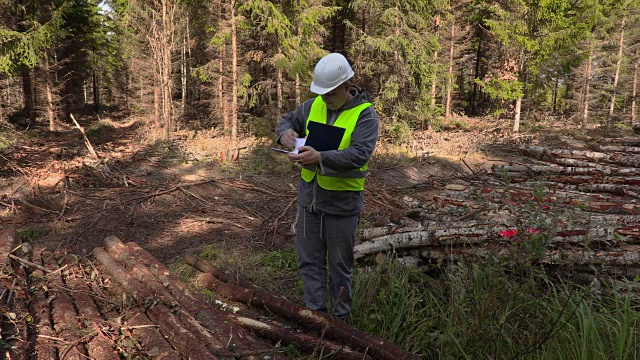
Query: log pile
{"points": [[124, 303], [575, 209]]}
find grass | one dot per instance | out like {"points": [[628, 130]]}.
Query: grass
{"points": [[490, 311]]}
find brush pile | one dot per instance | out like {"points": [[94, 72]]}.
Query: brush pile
{"points": [[124, 304]]}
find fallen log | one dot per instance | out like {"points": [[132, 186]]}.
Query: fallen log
{"points": [[147, 332], [44, 349], [65, 319], [334, 328], [15, 328], [205, 314], [306, 343], [630, 141], [137, 326], [482, 236], [546, 153], [563, 170], [216, 321], [618, 148], [99, 346], [180, 338]]}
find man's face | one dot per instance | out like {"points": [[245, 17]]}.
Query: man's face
{"points": [[337, 97]]}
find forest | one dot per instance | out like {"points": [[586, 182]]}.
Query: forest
{"points": [[236, 65], [143, 215]]}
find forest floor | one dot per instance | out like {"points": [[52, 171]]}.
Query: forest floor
{"points": [[177, 197]]}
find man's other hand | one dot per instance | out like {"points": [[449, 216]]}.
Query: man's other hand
{"points": [[307, 156], [288, 138]]}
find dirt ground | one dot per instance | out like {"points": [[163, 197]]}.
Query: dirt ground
{"points": [[178, 197]]}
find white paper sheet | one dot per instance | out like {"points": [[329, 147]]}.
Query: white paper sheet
{"points": [[299, 144]]}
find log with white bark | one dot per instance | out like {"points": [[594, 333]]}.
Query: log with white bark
{"points": [[618, 148], [629, 141], [564, 170], [450, 239], [546, 153]]}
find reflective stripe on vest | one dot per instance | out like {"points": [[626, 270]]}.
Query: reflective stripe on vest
{"points": [[346, 181]]}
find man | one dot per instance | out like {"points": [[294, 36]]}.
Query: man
{"points": [[330, 190]]}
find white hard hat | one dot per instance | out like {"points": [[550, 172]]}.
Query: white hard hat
{"points": [[330, 72]]}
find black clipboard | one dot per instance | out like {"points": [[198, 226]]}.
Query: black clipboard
{"points": [[323, 137]]}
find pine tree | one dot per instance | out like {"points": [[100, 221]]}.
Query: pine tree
{"points": [[394, 57]]}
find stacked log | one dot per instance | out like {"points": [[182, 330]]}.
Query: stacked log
{"points": [[128, 305], [574, 209]]}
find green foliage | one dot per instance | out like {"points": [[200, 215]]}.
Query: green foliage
{"points": [[398, 54], [502, 89], [26, 45], [31, 234], [399, 132], [491, 311], [99, 130], [7, 139], [280, 260]]}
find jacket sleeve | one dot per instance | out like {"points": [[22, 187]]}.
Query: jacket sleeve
{"points": [[363, 142], [294, 120]]}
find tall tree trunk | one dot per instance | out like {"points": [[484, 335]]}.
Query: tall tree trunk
{"points": [[450, 81], [156, 99], [168, 32], [555, 95], [516, 119], [9, 83], [633, 95], [298, 92], [184, 72], [615, 79], [1, 110], [434, 81], [27, 93], [96, 93], [279, 82], [234, 74], [222, 97], [476, 74], [50, 112], [587, 85]]}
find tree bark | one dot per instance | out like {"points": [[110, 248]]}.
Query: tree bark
{"points": [[27, 93], [187, 343], [222, 95], [65, 319], [634, 93], [476, 73], [183, 72], [279, 81], [234, 79], [617, 74], [50, 111], [587, 84], [96, 93], [450, 80], [555, 96], [516, 119], [334, 328]]}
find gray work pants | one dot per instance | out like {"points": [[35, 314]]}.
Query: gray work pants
{"points": [[326, 239]]}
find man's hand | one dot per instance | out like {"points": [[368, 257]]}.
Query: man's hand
{"points": [[288, 138], [307, 156]]}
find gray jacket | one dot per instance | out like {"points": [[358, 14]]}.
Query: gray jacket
{"points": [[334, 162]]}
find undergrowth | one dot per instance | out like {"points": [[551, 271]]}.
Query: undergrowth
{"points": [[490, 311]]}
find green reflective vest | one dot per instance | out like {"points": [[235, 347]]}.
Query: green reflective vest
{"points": [[349, 181]]}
